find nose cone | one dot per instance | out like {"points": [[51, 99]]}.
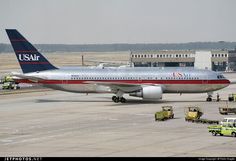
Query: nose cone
{"points": [[223, 83], [226, 83]]}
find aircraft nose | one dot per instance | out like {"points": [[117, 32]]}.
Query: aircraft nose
{"points": [[227, 82]]}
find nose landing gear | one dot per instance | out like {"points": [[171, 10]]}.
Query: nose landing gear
{"points": [[209, 97]]}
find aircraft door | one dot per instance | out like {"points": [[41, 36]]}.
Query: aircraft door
{"points": [[140, 79], [205, 80], [65, 80]]}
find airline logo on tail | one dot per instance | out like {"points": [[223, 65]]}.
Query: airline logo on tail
{"points": [[28, 57]]}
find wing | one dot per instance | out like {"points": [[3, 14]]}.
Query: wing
{"points": [[124, 87]]}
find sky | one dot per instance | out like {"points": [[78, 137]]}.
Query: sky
{"points": [[119, 21]]}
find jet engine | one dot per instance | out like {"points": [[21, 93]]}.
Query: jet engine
{"points": [[150, 92]]}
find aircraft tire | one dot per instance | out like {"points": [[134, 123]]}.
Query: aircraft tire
{"points": [[122, 100], [116, 99], [113, 98], [209, 99], [234, 134], [213, 133]]}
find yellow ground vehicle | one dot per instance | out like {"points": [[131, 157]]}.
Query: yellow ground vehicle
{"points": [[227, 110], [8, 83], [232, 97], [166, 113], [192, 113], [7, 78]]}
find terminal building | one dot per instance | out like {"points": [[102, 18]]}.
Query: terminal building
{"points": [[216, 60]]}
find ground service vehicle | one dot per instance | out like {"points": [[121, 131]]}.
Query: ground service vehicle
{"points": [[232, 97], [228, 121], [166, 113], [227, 110], [226, 129], [8, 78], [9, 83], [192, 113]]}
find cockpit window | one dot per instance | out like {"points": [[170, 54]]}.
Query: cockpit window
{"points": [[220, 76]]}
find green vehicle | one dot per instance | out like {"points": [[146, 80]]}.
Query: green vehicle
{"points": [[8, 83], [225, 129], [8, 78]]}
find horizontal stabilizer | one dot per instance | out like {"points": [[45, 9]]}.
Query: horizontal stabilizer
{"points": [[31, 78]]}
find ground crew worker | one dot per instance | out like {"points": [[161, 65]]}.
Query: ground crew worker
{"points": [[217, 97]]}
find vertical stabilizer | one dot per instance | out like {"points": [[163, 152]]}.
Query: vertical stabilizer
{"points": [[28, 56]]}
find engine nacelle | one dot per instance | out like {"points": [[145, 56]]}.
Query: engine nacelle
{"points": [[150, 92]]}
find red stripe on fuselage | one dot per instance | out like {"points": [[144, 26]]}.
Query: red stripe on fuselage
{"points": [[128, 81]]}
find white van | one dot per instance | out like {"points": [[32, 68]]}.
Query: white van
{"points": [[228, 121]]}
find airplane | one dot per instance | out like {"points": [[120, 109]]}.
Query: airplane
{"points": [[149, 83]]}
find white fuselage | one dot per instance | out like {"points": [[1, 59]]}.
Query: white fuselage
{"points": [[94, 80]]}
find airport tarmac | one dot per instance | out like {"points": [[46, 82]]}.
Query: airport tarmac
{"points": [[56, 123]]}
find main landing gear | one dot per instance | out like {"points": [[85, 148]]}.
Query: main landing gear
{"points": [[209, 97], [118, 99]]}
